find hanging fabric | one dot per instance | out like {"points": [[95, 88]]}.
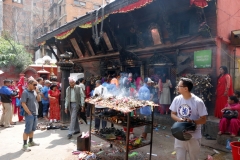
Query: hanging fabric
{"points": [[199, 3], [65, 34]]}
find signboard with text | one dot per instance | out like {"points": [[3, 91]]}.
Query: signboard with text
{"points": [[203, 59]]}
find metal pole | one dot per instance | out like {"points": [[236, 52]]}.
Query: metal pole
{"points": [[127, 136], [151, 136], [90, 127]]}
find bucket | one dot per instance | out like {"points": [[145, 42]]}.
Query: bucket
{"points": [[83, 144], [235, 150]]}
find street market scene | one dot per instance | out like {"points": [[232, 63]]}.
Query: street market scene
{"points": [[120, 79]]}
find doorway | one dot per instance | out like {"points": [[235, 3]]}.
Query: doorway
{"points": [[133, 70]]}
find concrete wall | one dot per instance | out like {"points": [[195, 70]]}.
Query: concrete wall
{"points": [[228, 19]]}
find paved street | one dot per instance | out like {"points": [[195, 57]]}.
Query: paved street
{"points": [[55, 146]]}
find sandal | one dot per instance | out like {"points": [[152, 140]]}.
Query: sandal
{"points": [[219, 133], [233, 135], [9, 126]]}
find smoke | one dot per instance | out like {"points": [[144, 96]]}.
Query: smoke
{"points": [[126, 88]]}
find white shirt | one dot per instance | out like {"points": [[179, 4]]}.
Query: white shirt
{"points": [[101, 91], [72, 95], [82, 86], [192, 108]]}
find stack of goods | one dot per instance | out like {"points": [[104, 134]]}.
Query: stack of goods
{"points": [[111, 134], [118, 137], [85, 155], [123, 104], [121, 118]]}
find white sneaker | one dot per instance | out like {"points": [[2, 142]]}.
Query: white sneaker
{"points": [[51, 120]]}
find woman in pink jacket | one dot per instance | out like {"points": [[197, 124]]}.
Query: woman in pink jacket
{"points": [[230, 125]]}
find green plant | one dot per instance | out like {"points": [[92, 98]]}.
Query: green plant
{"points": [[13, 54]]}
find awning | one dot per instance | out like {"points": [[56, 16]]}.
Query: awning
{"points": [[85, 21], [108, 9], [131, 7]]}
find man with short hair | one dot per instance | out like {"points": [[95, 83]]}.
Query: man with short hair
{"points": [[40, 86], [6, 98], [73, 102], [187, 107], [99, 91], [81, 84], [29, 100], [45, 99]]}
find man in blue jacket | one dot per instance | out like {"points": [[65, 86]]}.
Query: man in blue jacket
{"points": [[145, 94], [6, 98]]}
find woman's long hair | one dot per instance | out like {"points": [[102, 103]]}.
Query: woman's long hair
{"points": [[225, 69]]}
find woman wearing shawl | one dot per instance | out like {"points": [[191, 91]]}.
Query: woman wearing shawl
{"points": [[230, 125], [21, 86], [53, 95], [164, 86], [224, 90]]}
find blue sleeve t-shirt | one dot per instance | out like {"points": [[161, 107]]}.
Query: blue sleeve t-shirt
{"points": [[45, 90]]}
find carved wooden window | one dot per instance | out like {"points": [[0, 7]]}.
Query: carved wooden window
{"points": [[155, 34]]}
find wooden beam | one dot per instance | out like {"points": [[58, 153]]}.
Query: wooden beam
{"points": [[53, 51], [58, 48], [76, 47], [116, 54]]}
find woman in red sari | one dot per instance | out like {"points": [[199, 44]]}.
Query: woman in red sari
{"points": [[53, 95], [21, 86], [230, 125], [224, 90]]}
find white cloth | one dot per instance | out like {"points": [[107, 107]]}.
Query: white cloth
{"points": [[165, 97], [101, 91], [72, 95], [192, 147], [192, 108], [82, 86]]}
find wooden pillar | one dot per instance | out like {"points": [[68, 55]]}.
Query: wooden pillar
{"points": [[65, 68]]}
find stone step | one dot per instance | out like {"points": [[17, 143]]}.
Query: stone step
{"points": [[211, 127], [222, 139]]}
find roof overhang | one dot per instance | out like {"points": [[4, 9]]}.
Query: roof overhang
{"points": [[110, 8]]}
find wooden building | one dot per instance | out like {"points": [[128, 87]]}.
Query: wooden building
{"points": [[146, 37]]}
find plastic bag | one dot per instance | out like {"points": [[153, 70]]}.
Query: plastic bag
{"points": [[228, 146], [18, 102]]}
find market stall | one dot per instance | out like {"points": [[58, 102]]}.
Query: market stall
{"points": [[119, 113]]}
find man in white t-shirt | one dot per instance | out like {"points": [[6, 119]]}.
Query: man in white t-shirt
{"points": [[100, 91], [188, 107], [81, 84]]}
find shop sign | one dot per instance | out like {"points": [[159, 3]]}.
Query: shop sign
{"points": [[203, 59]]}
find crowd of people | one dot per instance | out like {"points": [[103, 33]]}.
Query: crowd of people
{"points": [[40, 99]]}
